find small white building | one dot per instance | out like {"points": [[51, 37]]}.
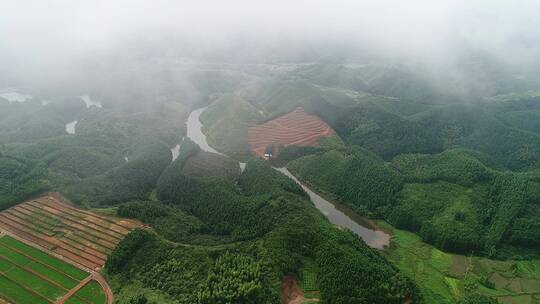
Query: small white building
{"points": [[268, 153]]}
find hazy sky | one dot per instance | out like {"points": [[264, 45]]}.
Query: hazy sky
{"points": [[46, 30]]}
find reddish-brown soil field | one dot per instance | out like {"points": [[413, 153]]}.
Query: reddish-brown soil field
{"points": [[296, 128], [291, 293], [78, 235]]}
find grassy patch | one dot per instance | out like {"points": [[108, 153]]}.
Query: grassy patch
{"points": [[91, 292], [308, 277], [445, 278], [29, 275], [74, 300], [37, 284], [44, 258], [17, 294]]}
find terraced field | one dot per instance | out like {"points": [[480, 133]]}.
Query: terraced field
{"points": [[78, 235], [296, 128], [444, 277], [30, 276]]}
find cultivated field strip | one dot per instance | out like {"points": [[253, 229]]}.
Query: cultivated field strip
{"points": [[296, 128], [51, 231], [120, 226], [124, 224], [28, 275], [78, 235], [72, 224], [89, 293], [49, 243]]}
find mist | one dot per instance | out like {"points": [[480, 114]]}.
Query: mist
{"points": [[55, 41]]}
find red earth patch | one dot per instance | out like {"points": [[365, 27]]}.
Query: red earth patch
{"points": [[296, 128]]}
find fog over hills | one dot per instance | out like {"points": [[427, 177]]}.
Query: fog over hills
{"points": [[265, 152], [53, 39]]}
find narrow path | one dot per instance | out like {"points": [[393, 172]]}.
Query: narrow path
{"points": [[74, 290], [105, 286], [94, 275]]}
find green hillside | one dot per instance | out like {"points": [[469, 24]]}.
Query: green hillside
{"points": [[267, 228], [451, 199], [226, 123]]}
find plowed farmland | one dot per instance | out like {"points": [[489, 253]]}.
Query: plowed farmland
{"points": [[296, 128], [79, 236]]}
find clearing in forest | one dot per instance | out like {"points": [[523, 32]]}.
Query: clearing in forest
{"points": [[296, 128], [80, 236]]}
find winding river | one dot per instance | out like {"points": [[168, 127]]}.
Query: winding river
{"points": [[337, 214], [194, 131]]}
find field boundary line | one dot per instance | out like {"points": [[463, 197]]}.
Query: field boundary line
{"points": [[72, 217], [35, 273], [74, 290], [16, 213], [92, 273], [62, 201], [105, 286], [64, 232], [24, 234], [26, 288], [35, 205], [24, 221], [50, 252], [34, 260], [55, 243], [88, 217], [94, 276]]}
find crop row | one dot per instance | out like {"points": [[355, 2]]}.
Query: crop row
{"points": [[50, 243], [78, 235], [295, 128], [121, 225], [36, 223], [118, 226], [28, 275], [73, 225]]}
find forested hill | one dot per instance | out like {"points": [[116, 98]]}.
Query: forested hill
{"points": [[262, 227], [451, 199], [457, 166], [209, 223], [462, 173]]}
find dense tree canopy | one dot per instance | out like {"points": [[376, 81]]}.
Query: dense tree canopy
{"points": [[276, 230]]}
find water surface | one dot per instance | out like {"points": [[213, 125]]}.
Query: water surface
{"points": [[194, 131], [337, 214], [343, 216]]}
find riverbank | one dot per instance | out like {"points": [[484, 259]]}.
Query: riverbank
{"points": [[372, 224], [337, 214]]}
